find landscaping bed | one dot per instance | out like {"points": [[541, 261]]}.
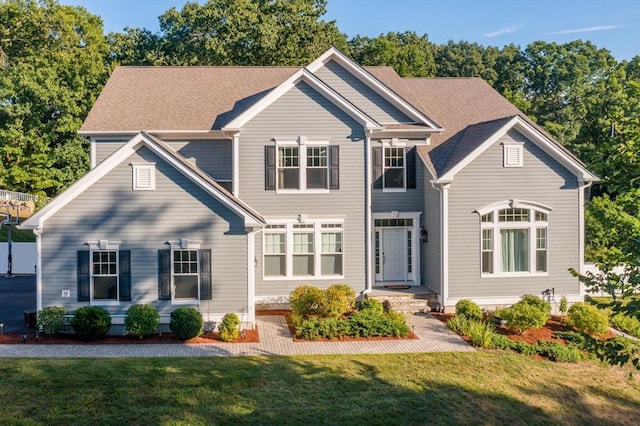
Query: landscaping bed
{"points": [[246, 336]]}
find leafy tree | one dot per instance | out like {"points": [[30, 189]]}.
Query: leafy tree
{"points": [[465, 59], [233, 32], [51, 69], [409, 54]]}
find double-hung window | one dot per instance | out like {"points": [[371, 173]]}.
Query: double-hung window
{"points": [[305, 250], [302, 166], [104, 273], [184, 272], [394, 170], [394, 167], [514, 240]]}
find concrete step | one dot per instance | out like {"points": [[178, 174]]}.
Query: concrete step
{"points": [[406, 303]]}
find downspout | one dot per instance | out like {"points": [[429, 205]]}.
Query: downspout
{"points": [[251, 276], [235, 184], [38, 233], [367, 211]]}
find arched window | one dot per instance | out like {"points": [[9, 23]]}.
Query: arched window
{"points": [[514, 238]]}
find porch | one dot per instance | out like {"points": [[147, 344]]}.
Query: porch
{"points": [[405, 298]]}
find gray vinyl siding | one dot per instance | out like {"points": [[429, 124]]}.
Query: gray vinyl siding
{"points": [[408, 201], [214, 157], [304, 112], [431, 250], [485, 180], [144, 221], [106, 147], [360, 94]]}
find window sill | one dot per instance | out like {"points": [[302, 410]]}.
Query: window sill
{"points": [[105, 303], [515, 275], [303, 278], [185, 301], [394, 189], [302, 191]]}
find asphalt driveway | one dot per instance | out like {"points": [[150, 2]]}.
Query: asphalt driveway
{"points": [[17, 294]]}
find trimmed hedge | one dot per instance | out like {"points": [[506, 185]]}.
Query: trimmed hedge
{"points": [[142, 320], [588, 319], [51, 319], [91, 322], [469, 309], [186, 323]]}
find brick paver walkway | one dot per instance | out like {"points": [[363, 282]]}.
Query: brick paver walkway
{"points": [[275, 339]]}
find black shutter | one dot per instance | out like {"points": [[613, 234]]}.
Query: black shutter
{"points": [[334, 167], [270, 167], [125, 275], [411, 167], [205, 275], [164, 274], [377, 167], [84, 281]]}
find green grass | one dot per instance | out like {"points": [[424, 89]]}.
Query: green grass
{"points": [[18, 235], [451, 388]]}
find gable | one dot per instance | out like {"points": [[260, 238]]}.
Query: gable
{"points": [[361, 95]]}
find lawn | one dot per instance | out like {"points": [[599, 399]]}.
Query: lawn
{"points": [[451, 388]]}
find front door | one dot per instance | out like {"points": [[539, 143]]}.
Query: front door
{"points": [[394, 257]]}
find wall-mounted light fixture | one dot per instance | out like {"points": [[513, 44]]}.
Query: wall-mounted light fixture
{"points": [[424, 236]]}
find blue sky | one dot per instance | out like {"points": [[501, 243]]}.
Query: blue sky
{"points": [[610, 24]]}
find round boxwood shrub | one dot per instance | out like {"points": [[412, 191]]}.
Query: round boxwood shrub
{"points": [[51, 319], [142, 320], [523, 316], [91, 322], [229, 327], [468, 309], [537, 302], [186, 323], [588, 319], [305, 300], [337, 300]]}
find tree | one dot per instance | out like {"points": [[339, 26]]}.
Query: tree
{"points": [[409, 54], [234, 32], [52, 68]]}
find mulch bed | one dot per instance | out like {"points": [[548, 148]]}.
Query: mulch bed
{"points": [[249, 336]]}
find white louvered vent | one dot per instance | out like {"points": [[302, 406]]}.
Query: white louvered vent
{"points": [[513, 155], [144, 177]]}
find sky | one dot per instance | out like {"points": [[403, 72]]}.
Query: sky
{"points": [[610, 24]]}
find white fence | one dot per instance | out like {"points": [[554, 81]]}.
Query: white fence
{"points": [[23, 255]]}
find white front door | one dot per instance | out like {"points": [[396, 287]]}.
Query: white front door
{"points": [[394, 256]]}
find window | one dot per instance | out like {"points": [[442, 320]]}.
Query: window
{"points": [[312, 249], [144, 177], [393, 168], [184, 272], [302, 166], [104, 273], [514, 241], [317, 167], [288, 168]]}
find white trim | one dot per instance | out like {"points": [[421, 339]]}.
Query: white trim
{"points": [[92, 153], [414, 275], [184, 244], [302, 75], [374, 84], [514, 203], [136, 169], [103, 245], [251, 275], [129, 133], [38, 234], [536, 137], [121, 154], [508, 149], [369, 234], [235, 183], [444, 229]]}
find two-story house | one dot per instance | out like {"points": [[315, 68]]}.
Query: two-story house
{"points": [[223, 187]]}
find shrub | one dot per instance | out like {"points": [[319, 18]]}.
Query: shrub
{"points": [[142, 320], [524, 348], [527, 314], [51, 319], [370, 324], [458, 324], [558, 352], [480, 333], [186, 323], [498, 341], [372, 305], [468, 309], [228, 329], [630, 325], [588, 319], [336, 301], [305, 300], [91, 322], [564, 305], [308, 329]]}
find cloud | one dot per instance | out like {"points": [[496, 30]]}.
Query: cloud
{"points": [[585, 30], [501, 31]]}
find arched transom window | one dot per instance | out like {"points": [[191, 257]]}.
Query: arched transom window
{"points": [[514, 239]]}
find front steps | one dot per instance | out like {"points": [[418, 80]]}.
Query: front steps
{"points": [[406, 301]]}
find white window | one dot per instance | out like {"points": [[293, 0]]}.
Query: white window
{"points": [[302, 167], [514, 241], [105, 274], [394, 168], [185, 274], [310, 249], [513, 153], [144, 177]]}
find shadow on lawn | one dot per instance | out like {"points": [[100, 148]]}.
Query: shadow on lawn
{"points": [[281, 390]]}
